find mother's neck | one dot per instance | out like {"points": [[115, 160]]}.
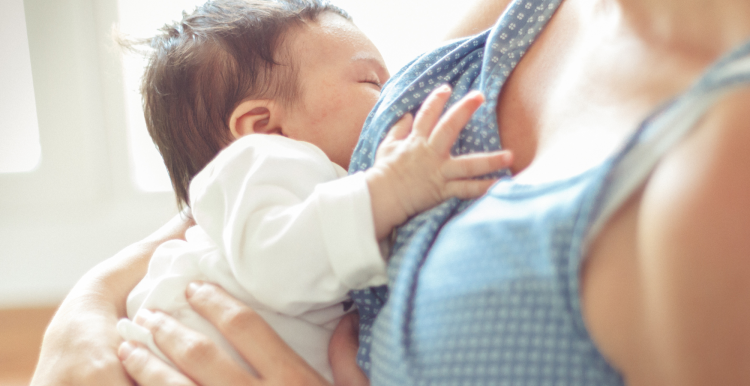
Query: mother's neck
{"points": [[695, 27]]}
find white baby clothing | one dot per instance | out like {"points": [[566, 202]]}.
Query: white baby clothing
{"points": [[278, 228]]}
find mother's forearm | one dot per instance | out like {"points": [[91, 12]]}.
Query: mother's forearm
{"points": [[80, 344], [106, 286]]}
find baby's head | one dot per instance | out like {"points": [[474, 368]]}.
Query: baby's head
{"points": [[297, 68]]}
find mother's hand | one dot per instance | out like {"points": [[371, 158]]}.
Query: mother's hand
{"points": [[80, 344], [203, 363]]}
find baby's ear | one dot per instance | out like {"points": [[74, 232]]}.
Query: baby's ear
{"points": [[259, 116]]}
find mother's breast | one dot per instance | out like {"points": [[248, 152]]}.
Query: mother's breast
{"points": [[497, 295]]}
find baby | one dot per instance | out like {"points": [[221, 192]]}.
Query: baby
{"points": [[256, 106]]}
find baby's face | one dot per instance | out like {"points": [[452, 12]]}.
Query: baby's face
{"points": [[340, 75]]}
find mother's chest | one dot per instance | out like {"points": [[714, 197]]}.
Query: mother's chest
{"points": [[559, 129]]}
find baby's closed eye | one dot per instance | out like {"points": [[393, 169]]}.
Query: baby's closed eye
{"points": [[374, 80]]}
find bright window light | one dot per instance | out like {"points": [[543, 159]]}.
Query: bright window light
{"points": [[391, 24], [20, 150], [403, 29]]}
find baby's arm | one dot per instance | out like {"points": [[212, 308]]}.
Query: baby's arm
{"points": [[297, 236], [414, 169]]}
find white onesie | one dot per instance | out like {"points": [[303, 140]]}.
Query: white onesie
{"points": [[278, 228]]}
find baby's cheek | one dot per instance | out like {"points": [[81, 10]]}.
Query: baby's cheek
{"points": [[328, 108]]}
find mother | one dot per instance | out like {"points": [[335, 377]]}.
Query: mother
{"points": [[617, 252]]}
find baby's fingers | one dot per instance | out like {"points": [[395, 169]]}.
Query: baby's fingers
{"points": [[454, 120], [429, 114], [401, 129], [467, 189], [475, 165]]}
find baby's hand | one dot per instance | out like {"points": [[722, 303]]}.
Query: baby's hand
{"points": [[414, 169]]}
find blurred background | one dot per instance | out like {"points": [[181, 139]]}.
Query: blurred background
{"points": [[79, 176]]}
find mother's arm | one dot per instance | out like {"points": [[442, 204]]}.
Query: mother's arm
{"points": [[695, 232], [204, 363], [667, 294], [80, 345]]}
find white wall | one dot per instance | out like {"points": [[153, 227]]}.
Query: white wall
{"points": [[81, 205]]}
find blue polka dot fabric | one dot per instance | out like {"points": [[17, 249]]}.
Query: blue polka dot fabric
{"points": [[482, 62], [487, 292]]}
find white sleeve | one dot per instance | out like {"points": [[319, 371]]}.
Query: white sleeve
{"points": [[296, 236]]}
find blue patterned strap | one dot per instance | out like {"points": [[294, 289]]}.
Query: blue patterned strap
{"points": [[483, 62]]}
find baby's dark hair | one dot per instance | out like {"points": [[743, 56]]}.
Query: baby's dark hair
{"points": [[200, 68]]}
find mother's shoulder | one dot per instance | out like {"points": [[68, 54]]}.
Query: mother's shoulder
{"points": [[677, 259], [708, 172]]}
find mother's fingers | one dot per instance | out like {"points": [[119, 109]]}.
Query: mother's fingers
{"points": [[342, 353], [148, 370], [253, 338], [194, 353]]}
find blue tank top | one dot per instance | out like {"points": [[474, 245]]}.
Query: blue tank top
{"points": [[487, 292]]}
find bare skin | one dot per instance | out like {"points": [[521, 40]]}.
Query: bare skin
{"points": [[665, 290], [415, 166], [414, 171], [83, 322]]}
